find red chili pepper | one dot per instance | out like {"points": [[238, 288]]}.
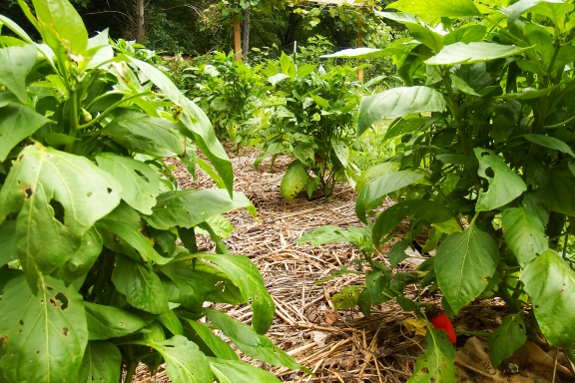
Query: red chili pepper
{"points": [[441, 322]]}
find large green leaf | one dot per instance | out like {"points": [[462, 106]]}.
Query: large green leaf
{"points": [[294, 180], [141, 286], [437, 363], [170, 321], [550, 283], [463, 264], [397, 102], [467, 33], [140, 184], [504, 184], [524, 234], [358, 53], [506, 339], [375, 191], [105, 322], [61, 24], [188, 208], [209, 343], [45, 335], [475, 52], [559, 191], [59, 196], [102, 363], [550, 8], [244, 274], [235, 371], [16, 29], [195, 122], [15, 63], [144, 134], [185, 363], [550, 143], [430, 211], [251, 343]]}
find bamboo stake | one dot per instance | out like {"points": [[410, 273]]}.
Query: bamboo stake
{"points": [[237, 37], [359, 42]]}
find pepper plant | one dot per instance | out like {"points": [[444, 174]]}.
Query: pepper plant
{"points": [[93, 278], [483, 130], [316, 124]]}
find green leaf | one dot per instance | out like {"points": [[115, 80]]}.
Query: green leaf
{"points": [[551, 9], [463, 264], [506, 339], [550, 283], [429, 211], [397, 253], [426, 36], [475, 52], [195, 123], [376, 171], [436, 8], [45, 335], [15, 28], [358, 53], [559, 191], [235, 371], [143, 134], [550, 143], [8, 241], [102, 363], [276, 79], [342, 152], [15, 64], [437, 363], [465, 34], [140, 183], [209, 343], [188, 208], [141, 286], [404, 126], [376, 285], [463, 86], [185, 362], [375, 191], [60, 23], [348, 298], [84, 258], [397, 102], [293, 180], [105, 322], [170, 321], [251, 343], [504, 184], [244, 274], [200, 283], [524, 234]]}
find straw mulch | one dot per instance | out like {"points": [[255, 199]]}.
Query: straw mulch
{"points": [[337, 346]]}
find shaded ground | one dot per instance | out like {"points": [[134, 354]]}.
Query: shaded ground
{"points": [[337, 346]]}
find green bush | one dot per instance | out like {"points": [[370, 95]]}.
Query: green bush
{"points": [[316, 124], [91, 276], [483, 132]]}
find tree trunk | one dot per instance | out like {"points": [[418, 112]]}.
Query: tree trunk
{"points": [[141, 32], [246, 34]]}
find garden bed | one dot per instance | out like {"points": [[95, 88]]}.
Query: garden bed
{"points": [[338, 346]]}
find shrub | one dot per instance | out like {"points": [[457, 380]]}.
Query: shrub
{"points": [[91, 275], [483, 157]]}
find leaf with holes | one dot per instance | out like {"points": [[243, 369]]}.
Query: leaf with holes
{"points": [[524, 233], [504, 184], [251, 343], [45, 334], [17, 122], [102, 363], [105, 322], [550, 283], [347, 298], [437, 363], [463, 264], [506, 339], [140, 184], [140, 285]]}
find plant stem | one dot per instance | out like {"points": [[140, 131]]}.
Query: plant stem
{"points": [[131, 370], [73, 119], [474, 333], [111, 108]]}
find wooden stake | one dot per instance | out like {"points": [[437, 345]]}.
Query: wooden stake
{"points": [[359, 42], [237, 38]]}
